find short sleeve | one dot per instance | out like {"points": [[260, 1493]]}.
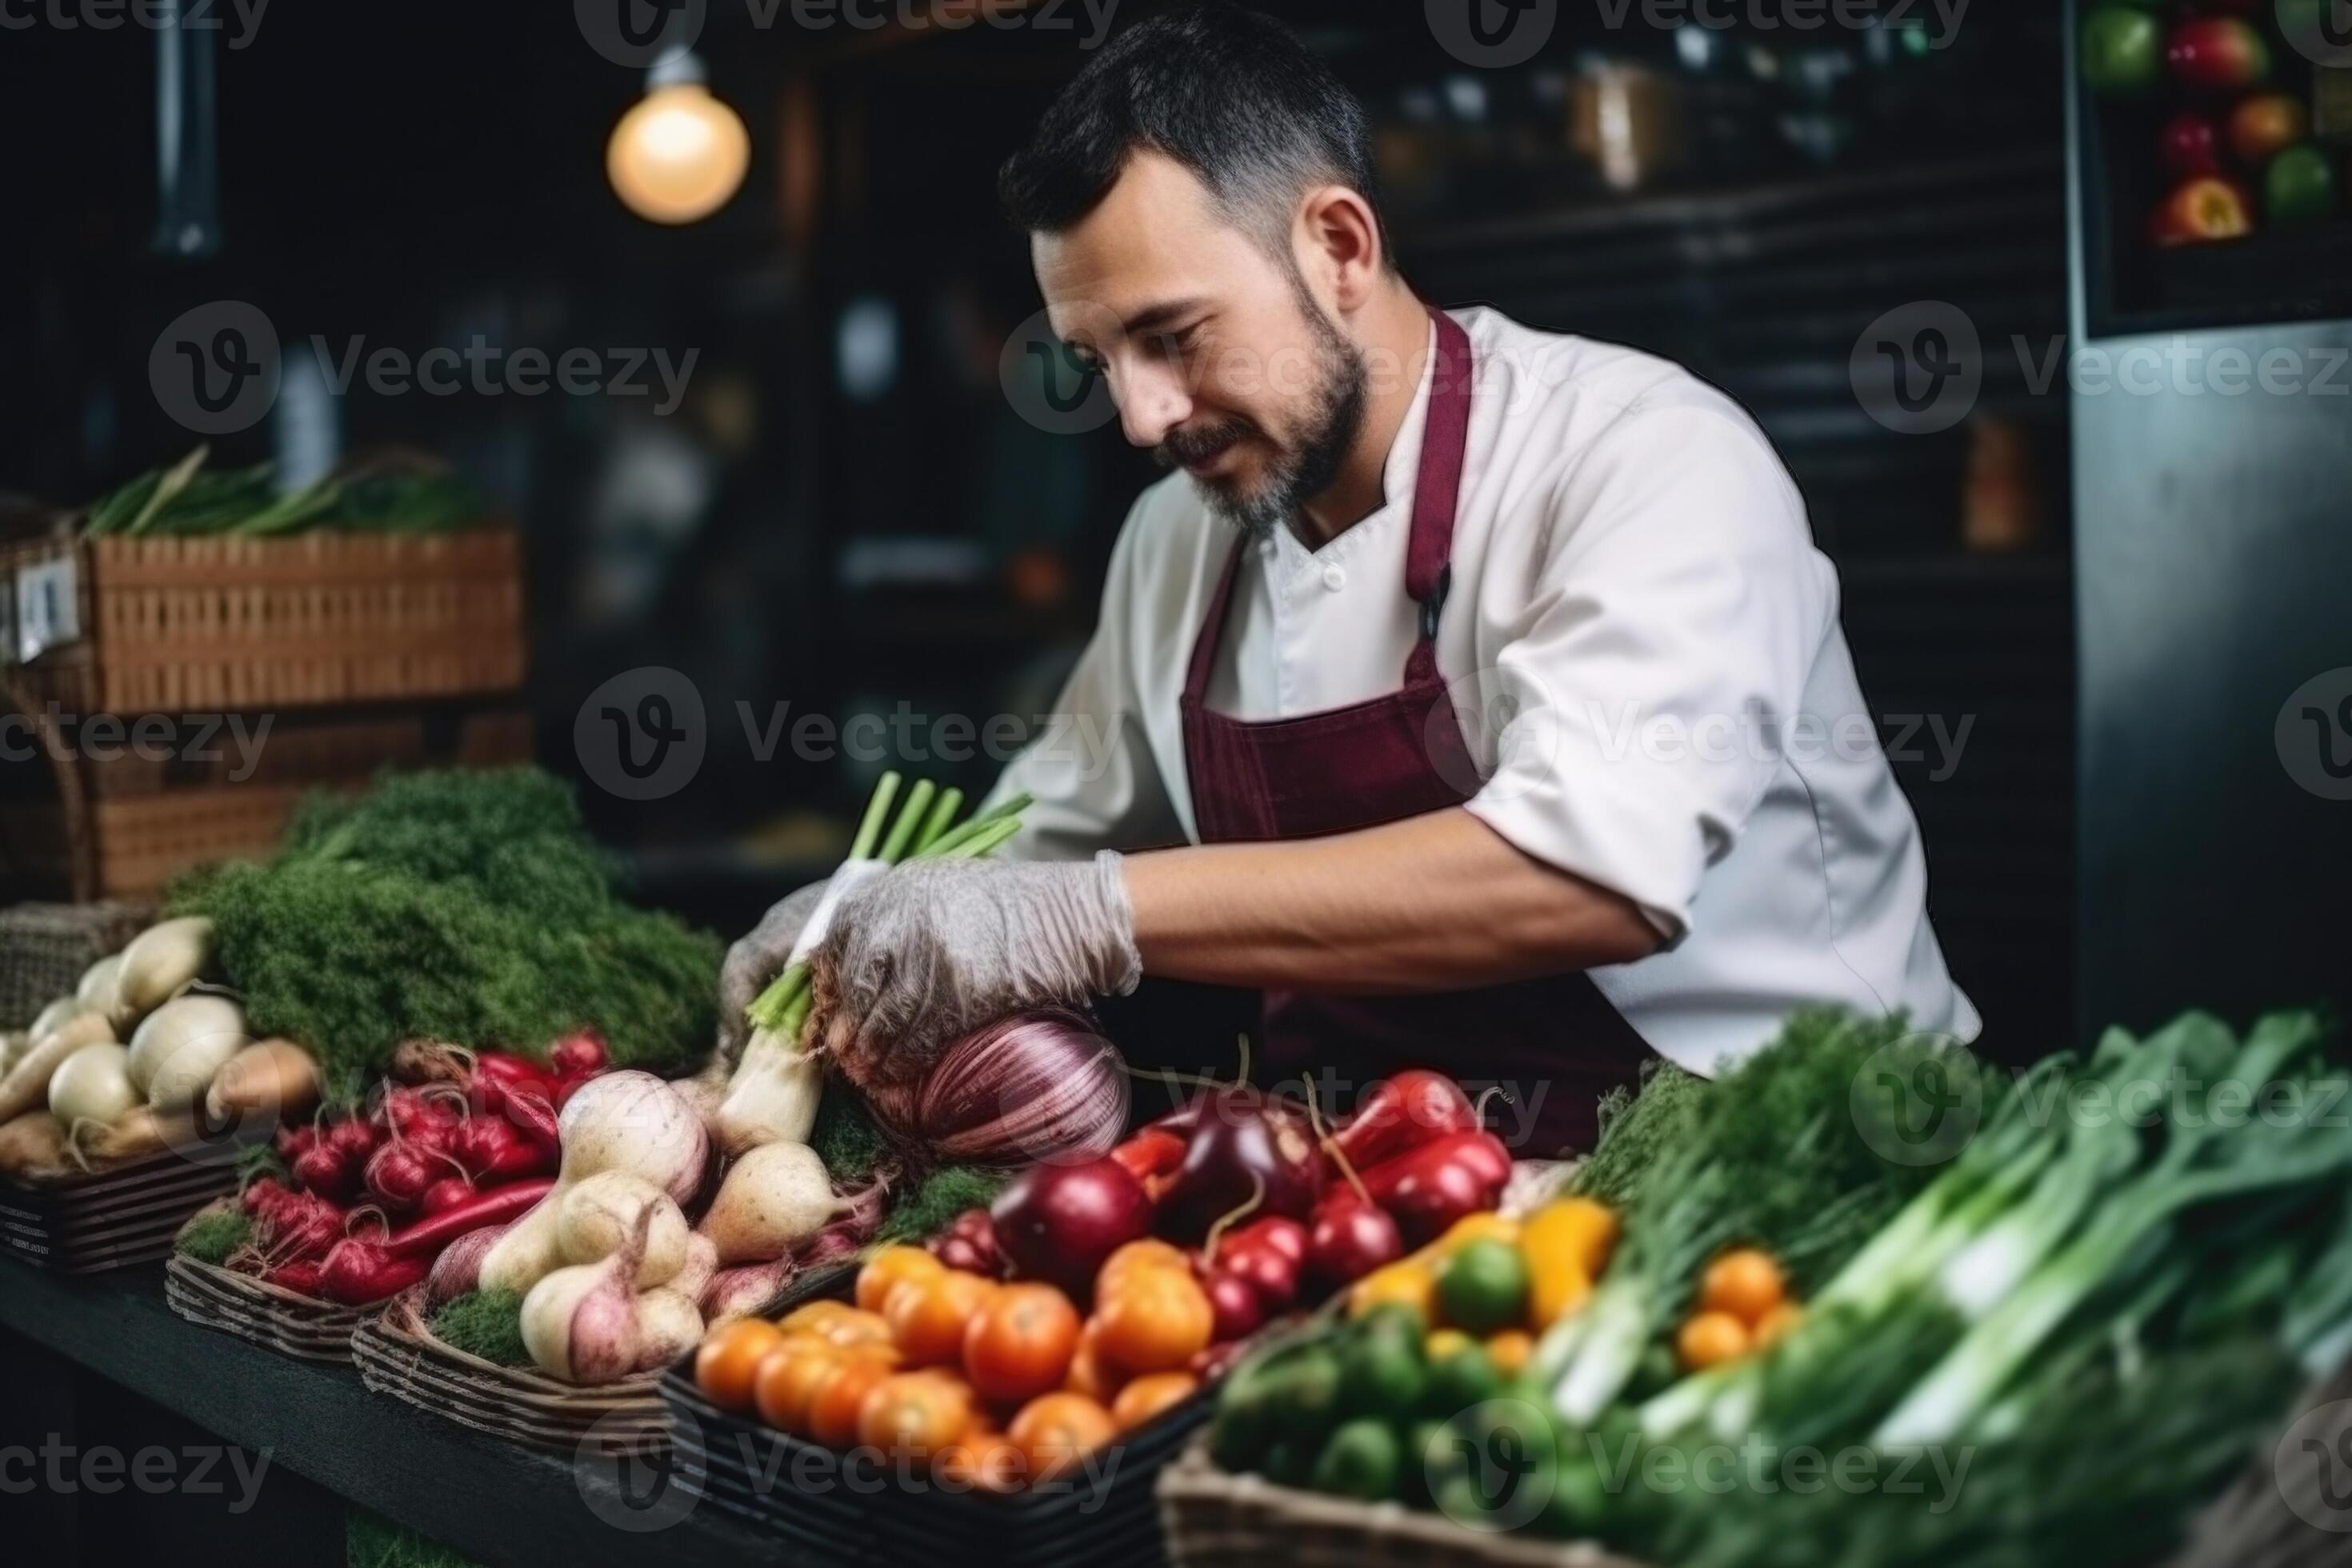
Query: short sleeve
{"points": [[1677, 604], [1096, 783]]}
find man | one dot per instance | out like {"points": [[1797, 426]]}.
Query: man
{"points": [[1488, 679]]}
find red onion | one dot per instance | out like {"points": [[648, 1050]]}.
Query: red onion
{"points": [[1246, 1148], [1059, 1223], [1041, 1086]]}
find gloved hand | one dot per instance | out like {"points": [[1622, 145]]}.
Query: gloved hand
{"points": [[755, 961], [930, 950]]}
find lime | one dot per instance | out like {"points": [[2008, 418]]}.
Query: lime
{"points": [[1484, 1287], [1430, 1456], [1238, 1434], [1304, 1395], [1288, 1464], [1393, 1317], [1361, 1461], [1579, 1501], [1461, 1381], [1381, 1374]]}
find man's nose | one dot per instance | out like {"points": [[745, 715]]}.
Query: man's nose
{"points": [[1152, 400]]}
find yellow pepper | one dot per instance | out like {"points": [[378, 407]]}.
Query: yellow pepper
{"points": [[1444, 1343], [1570, 1227], [1407, 1281]]}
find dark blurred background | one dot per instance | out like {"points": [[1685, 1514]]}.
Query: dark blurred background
{"points": [[845, 513]]}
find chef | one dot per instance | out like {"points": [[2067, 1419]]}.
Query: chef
{"points": [[1474, 693]]}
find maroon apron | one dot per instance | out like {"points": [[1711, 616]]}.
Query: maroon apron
{"points": [[1555, 1044]]}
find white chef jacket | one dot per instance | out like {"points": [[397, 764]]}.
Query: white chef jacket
{"points": [[1644, 649]]}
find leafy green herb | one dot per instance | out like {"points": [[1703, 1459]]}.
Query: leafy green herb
{"points": [[212, 1237], [485, 1323], [946, 1193]]}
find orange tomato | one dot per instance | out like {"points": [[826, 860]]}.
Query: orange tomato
{"points": [[914, 1413], [814, 1315], [833, 1413], [886, 1268], [789, 1379], [1510, 1351], [1777, 1321], [854, 1326], [1089, 1374], [928, 1317], [980, 1460], [1147, 1397], [1743, 1282], [1710, 1338], [1158, 1320], [1020, 1343], [1054, 1431], [724, 1366], [1149, 1253]]}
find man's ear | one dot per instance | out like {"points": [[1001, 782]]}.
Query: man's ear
{"points": [[1338, 244]]}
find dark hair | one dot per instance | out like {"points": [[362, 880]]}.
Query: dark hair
{"points": [[1229, 93]]}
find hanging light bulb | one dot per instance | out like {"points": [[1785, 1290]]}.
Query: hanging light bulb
{"points": [[679, 154]]}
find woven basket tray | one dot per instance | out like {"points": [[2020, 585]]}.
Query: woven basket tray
{"points": [[397, 1355], [1211, 1517], [200, 625], [271, 1317], [114, 1218], [44, 948]]}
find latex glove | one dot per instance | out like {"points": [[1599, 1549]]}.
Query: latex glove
{"points": [[930, 950], [753, 963]]}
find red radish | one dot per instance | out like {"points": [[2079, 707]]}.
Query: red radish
{"points": [[357, 1272], [1234, 1302], [399, 1173], [498, 1075], [327, 1170], [445, 1195], [578, 1054], [352, 1137], [486, 1146], [409, 1113], [430, 1234], [534, 1115], [961, 1253], [1059, 1223], [301, 1276], [292, 1141]]}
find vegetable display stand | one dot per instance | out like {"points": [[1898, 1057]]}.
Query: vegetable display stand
{"points": [[809, 1496], [112, 1219], [44, 948], [268, 1315], [398, 1356], [1248, 1520]]}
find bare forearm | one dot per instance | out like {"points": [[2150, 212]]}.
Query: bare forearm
{"points": [[1438, 902]]}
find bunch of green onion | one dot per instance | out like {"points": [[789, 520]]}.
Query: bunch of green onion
{"points": [[920, 831]]}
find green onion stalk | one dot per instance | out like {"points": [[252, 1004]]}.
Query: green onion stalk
{"points": [[921, 830]]}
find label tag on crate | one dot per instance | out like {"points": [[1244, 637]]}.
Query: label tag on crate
{"points": [[49, 607]]}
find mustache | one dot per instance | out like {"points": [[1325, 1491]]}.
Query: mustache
{"points": [[1181, 446]]}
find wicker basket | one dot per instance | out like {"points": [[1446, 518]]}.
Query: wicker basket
{"points": [[122, 826], [173, 625], [44, 948], [1246, 1519], [270, 1316], [114, 1218], [398, 1356]]}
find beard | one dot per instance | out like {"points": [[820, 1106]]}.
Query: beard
{"points": [[1307, 458]]}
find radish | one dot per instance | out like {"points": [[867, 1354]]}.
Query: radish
{"points": [[627, 1122], [598, 1215], [398, 1174], [577, 1056], [486, 1146], [449, 1193], [357, 1272], [774, 1197]]}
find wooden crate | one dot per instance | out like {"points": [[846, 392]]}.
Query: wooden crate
{"points": [[175, 626]]}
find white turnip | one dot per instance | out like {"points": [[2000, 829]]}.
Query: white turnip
{"points": [[772, 1199], [604, 1211], [181, 1046], [93, 1084], [161, 961]]}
